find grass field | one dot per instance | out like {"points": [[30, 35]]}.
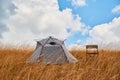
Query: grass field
{"points": [[13, 66]]}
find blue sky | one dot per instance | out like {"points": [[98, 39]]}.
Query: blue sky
{"points": [[80, 22], [95, 12]]}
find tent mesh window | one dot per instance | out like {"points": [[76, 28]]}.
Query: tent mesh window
{"points": [[52, 43]]}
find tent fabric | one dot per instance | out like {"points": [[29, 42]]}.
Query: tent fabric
{"points": [[51, 51]]}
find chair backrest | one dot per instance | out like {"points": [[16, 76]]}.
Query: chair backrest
{"points": [[91, 46], [91, 49]]}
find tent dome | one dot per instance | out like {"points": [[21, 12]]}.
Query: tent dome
{"points": [[52, 51]]}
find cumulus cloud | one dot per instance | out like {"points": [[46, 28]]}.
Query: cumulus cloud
{"points": [[6, 9], [76, 47], [79, 2], [38, 19], [3, 28], [116, 9], [106, 34]]}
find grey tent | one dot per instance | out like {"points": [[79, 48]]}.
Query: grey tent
{"points": [[51, 51]]}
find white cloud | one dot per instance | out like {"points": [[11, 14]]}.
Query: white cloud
{"points": [[79, 2], [38, 19], [106, 34], [116, 9], [3, 29], [76, 47], [6, 9]]}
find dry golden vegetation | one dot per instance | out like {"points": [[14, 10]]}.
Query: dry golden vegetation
{"points": [[13, 66]]}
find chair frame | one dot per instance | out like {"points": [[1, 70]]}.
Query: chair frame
{"points": [[90, 47]]}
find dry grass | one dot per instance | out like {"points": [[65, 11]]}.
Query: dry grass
{"points": [[13, 66]]}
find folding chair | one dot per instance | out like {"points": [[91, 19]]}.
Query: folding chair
{"points": [[91, 50]]}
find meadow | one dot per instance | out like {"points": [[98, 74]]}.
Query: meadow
{"points": [[13, 66]]}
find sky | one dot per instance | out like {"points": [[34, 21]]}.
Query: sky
{"points": [[78, 22]]}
